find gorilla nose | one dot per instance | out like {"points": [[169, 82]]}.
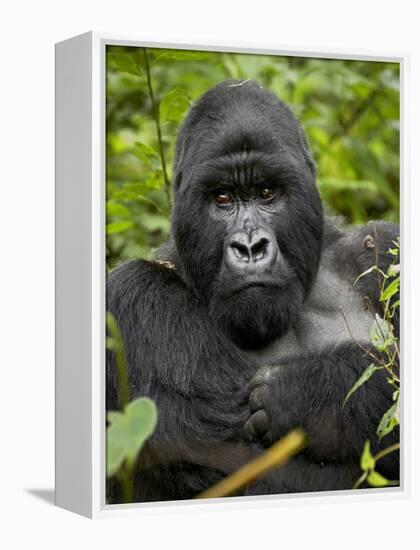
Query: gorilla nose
{"points": [[255, 250]]}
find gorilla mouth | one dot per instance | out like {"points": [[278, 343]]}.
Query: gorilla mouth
{"points": [[257, 285]]}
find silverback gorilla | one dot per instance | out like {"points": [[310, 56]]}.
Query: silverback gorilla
{"points": [[248, 323]]}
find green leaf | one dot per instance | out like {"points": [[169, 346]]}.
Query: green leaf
{"points": [[380, 334], [155, 222], [377, 480], [173, 105], [395, 305], [390, 290], [389, 420], [373, 268], [118, 227], [127, 432], [367, 373], [145, 153], [123, 62], [114, 208], [393, 269], [136, 190], [367, 462]]}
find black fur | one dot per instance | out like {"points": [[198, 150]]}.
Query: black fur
{"points": [[196, 335]]}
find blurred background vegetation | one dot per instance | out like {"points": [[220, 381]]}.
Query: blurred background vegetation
{"points": [[349, 109]]}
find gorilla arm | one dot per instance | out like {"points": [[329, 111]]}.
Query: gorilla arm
{"points": [[310, 389], [176, 356]]}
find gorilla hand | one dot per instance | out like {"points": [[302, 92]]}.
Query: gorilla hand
{"points": [[272, 407]]}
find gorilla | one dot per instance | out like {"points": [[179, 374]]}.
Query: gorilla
{"points": [[248, 323]]}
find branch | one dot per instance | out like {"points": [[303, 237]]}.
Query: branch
{"points": [[275, 456], [158, 129]]}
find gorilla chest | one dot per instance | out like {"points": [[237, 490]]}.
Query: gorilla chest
{"points": [[334, 314]]}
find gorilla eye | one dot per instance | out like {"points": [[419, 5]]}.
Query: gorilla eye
{"points": [[223, 199], [267, 194]]}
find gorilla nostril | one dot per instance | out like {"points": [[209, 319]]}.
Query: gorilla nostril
{"points": [[241, 251], [259, 249]]}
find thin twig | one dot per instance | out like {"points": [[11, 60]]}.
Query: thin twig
{"points": [[361, 479], [158, 129], [275, 456], [386, 451], [366, 350]]}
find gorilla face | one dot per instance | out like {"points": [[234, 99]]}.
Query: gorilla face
{"points": [[247, 219]]}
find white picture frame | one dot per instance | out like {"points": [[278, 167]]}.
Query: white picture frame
{"points": [[80, 277]]}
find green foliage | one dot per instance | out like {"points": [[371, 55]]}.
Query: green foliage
{"points": [[368, 465], [127, 432], [349, 109], [115, 343], [384, 341], [367, 462], [174, 105], [390, 419], [367, 373]]}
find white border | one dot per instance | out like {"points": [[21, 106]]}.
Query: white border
{"points": [[99, 509]]}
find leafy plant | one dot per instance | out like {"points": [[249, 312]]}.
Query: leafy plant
{"points": [[349, 109], [386, 343], [128, 430]]}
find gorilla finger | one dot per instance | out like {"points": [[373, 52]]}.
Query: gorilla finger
{"points": [[265, 375], [260, 422], [258, 397], [249, 430]]}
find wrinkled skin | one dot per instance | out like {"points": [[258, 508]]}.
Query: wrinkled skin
{"points": [[249, 335]]}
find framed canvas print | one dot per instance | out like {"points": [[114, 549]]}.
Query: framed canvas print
{"points": [[228, 275]]}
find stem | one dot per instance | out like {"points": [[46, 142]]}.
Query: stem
{"points": [[386, 451], [116, 344], [158, 128], [377, 457], [125, 477], [275, 456], [366, 350], [361, 479]]}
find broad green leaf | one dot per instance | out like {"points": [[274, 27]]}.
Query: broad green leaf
{"points": [[124, 62], [146, 153], [390, 290], [377, 480], [118, 227], [127, 432], [155, 222], [173, 105], [380, 334], [367, 373], [114, 208], [367, 462], [389, 420], [134, 190]]}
